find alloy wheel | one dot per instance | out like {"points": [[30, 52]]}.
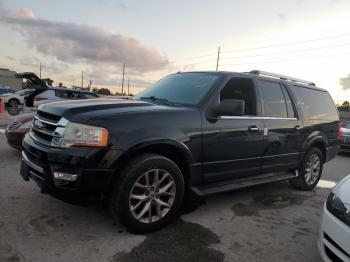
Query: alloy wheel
{"points": [[312, 169], [152, 195]]}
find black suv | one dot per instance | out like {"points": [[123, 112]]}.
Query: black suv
{"points": [[194, 133]]}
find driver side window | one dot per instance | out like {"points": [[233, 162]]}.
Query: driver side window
{"points": [[241, 89]]}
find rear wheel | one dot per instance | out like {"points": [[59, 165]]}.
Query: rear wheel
{"points": [[13, 103], [310, 170], [148, 193]]}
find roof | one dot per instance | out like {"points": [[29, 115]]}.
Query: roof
{"points": [[264, 74]]}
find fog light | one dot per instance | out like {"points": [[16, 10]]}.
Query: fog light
{"points": [[65, 176]]}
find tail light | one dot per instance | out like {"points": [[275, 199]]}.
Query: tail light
{"points": [[340, 130], [38, 98]]}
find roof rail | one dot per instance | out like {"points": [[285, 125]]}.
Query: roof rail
{"points": [[283, 77]]}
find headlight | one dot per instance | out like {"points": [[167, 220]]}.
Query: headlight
{"points": [[83, 135], [338, 209]]}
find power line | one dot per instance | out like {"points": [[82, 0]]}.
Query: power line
{"points": [[283, 60], [274, 53], [286, 52], [286, 44]]}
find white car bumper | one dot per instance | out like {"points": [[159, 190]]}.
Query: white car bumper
{"points": [[334, 241]]}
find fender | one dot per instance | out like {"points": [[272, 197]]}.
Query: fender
{"points": [[313, 138], [137, 147]]}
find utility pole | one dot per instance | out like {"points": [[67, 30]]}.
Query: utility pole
{"points": [[90, 85], [217, 60], [123, 78], [128, 86], [82, 79], [40, 70]]}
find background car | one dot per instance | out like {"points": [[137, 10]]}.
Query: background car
{"points": [[16, 99], [334, 244], [345, 146], [6, 90], [17, 129], [60, 94]]}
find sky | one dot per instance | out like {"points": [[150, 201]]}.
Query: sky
{"points": [[308, 39]]}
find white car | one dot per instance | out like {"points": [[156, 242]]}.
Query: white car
{"points": [[16, 99], [60, 94], [334, 241]]}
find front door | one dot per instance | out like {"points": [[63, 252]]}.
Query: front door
{"points": [[233, 146]]}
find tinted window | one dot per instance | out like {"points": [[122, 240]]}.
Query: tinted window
{"points": [[275, 104], [87, 95], [316, 104], [290, 108], [241, 89], [347, 125], [60, 93], [184, 88]]}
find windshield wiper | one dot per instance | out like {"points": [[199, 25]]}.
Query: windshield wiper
{"points": [[158, 99]]}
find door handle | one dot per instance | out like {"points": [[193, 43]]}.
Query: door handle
{"points": [[297, 128], [253, 129]]}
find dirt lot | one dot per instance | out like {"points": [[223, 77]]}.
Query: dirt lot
{"points": [[264, 223]]}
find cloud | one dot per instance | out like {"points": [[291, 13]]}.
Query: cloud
{"points": [[47, 67], [10, 58], [75, 43], [109, 76], [345, 82]]}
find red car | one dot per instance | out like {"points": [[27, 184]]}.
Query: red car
{"points": [[17, 129]]}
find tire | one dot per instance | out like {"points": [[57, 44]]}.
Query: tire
{"points": [[307, 180], [13, 102], [131, 196]]}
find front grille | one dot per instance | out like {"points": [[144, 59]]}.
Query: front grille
{"points": [[330, 240], [47, 128], [47, 116], [12, 125], [331, 255]]}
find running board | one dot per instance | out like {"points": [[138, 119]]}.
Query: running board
{"points": [[224, 186]]}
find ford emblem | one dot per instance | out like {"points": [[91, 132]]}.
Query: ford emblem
{"points": [[38, 124]]}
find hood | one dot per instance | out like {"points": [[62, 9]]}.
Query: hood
{"points": [[24, 118], [83, 110], [342, 190]]}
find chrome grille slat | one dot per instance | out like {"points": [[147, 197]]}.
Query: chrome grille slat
{"points": [[47, 131]]}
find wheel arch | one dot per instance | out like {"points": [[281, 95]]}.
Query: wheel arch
{"points": [[319, 142], [174, 150]]}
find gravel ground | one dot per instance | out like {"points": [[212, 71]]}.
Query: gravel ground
{"points": [[264, 223]]}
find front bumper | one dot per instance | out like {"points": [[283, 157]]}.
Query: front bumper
{"points": [[94, 168], [334, 238]]}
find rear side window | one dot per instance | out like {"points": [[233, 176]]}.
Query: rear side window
{"points": [[274, 99], [61, 93], [87, 95], [290, 108], [316, 104]]}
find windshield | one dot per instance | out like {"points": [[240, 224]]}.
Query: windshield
{"points": [[185, 88]]}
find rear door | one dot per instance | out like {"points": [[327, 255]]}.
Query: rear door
{"points": [[282, 134]]}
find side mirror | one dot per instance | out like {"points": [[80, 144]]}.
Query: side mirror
{"points": [[229, 107]]}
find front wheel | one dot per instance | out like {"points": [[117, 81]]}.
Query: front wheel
{"points": [[148, 193], [310, 170]]}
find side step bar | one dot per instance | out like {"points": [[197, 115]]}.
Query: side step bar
{"points": [[224, 186]]}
